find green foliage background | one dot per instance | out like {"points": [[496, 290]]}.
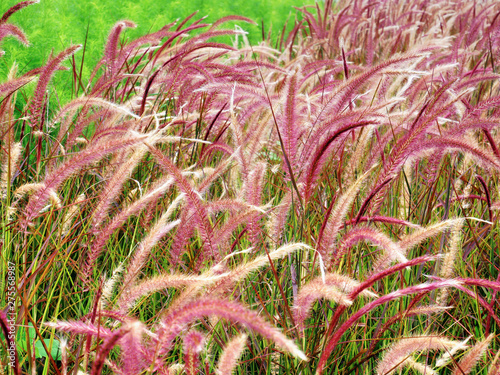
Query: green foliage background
{"points": [[53, 25]]}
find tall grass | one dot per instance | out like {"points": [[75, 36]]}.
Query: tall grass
{"points": [[326, 203], [52, 25]]}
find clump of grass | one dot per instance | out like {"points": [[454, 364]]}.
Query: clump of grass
{"points": [[340, 186]]}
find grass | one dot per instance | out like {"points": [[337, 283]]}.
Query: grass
{"points": [[324, 203], [55, 24]]}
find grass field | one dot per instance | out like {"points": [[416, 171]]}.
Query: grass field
{"points": [[322, 203]]}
